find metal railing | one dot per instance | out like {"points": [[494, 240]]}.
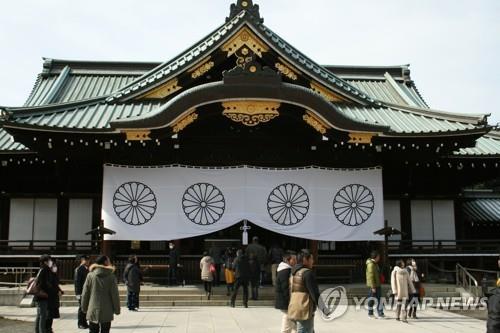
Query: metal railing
{"points": [[20, 275], [465, 279]]}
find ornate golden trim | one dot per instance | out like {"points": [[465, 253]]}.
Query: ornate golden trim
{"points": [[286, 70], [327, 94], [251, 113], [202, 69], [163, 91], [245, 37], [138, 135], [184, 122], [364, 138], [315, 122]]}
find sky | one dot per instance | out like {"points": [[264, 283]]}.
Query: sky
{"points": [[452, 46]]}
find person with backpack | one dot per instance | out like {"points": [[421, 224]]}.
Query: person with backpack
{"points": [[100, 298], [242, 276], [132, 277], [44, 294], [304, 293], [282, 290], [80, 275]]}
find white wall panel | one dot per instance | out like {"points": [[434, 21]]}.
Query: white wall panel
{"points": [[45, 221], [421, 220], [444, 219], [80, 219], [21, 220]]}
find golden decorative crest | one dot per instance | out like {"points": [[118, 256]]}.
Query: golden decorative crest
{"points": [[364, 138], [184, 122], [286, 71], [138, 135], [327, 94], [204, 68], [315, 122], [163, 91], [245, 37], [251, 113]]}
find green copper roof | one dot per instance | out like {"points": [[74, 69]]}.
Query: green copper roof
{"points": [[486, 145]]}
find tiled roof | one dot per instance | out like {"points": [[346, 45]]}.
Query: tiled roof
{"points": [[487, 145], [482, 210], [7, 143]]}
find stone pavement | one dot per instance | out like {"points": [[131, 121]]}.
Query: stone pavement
{"points": [[254, 319]]}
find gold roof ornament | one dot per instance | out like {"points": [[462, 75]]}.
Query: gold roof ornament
{"points": [[138, 135], [327, 94], [162, 91], [286, 70], [251, 113], [185, 121], [202, 69], [245, 37], [363, 138], [315, 122]]}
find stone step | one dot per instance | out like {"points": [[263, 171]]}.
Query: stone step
{"points": [[146, 304]]}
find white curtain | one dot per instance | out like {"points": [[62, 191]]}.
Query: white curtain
{"points": [[174, 202]]}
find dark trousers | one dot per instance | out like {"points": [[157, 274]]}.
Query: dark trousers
{"points": [[374, 297], [82, 320], [50, 321], [208, 286], [413, 305], [99, 328], [255, 289], [237, 285], [172, 276], [132, 300], [42, 314]]}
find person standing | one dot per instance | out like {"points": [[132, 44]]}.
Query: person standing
{"points": [[304, 293], [54, 298], [100, 298], [282, 290], [403, 288], [42, 303], [80, 275], [242, 276], [173, 264], [207, 276], [493, 322], [276, 256], [260, 253], [373, 282], [132, 277], [229, 270], [254, 276], [411, 267], [215, 253]]}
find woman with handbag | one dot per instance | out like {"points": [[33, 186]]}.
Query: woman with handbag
{"points": [[43, 294], [54, 297], [207, 268]]}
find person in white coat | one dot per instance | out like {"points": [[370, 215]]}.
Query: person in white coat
{"points": [[207, 276], [402, 288]]}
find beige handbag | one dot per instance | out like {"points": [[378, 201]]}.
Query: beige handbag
{"points": [[300, 306]]}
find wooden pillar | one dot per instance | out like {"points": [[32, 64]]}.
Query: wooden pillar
{"points": [[62, 221], [405, 206], [314, 250], [4, 217], [106, 248]]}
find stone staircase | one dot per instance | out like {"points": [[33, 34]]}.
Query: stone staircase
{"points": [[161, 296]]}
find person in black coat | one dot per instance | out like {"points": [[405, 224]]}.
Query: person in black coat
{"points": [[54, 297], [493, 323], [254, 275], [42, 303], [173, 264], [80, 275], [132, 277], [282, 290], [242, 277]]}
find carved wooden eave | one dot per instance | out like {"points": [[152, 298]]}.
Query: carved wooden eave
{"points": [[138, 135], [286, 69], [185, 121], [245, 38], [200, 70], [316, 123], [327, 94], [163, 91], [362, 138], [251, 113]]}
